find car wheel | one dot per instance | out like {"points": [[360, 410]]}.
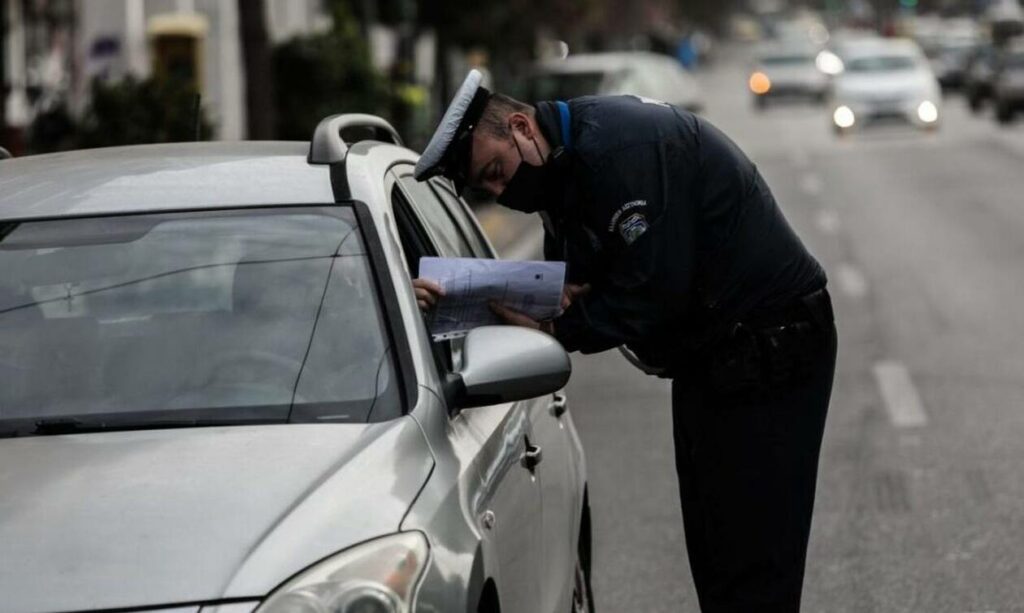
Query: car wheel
{"points": [[582, 592], [1004, 113], [761, 102], [974, 101]]}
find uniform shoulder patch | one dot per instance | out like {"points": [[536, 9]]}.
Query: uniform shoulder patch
{"points": [[617, 215], [633, 227]]}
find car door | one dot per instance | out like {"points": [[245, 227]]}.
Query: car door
{"points": [[549, 421], [509, 496]]}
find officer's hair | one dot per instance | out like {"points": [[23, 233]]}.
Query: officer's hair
{"points": [[494, 120]]}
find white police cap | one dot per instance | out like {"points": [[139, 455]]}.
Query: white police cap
{"points": [[449, 149]]}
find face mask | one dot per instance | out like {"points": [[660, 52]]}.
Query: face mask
{"points": [[531, 187]]}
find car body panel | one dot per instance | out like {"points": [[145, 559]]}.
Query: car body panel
{"points": [[125, 519]]}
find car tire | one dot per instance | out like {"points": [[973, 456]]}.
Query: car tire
{"points": [[582, 590], [1004, 113], [760, 102], [974, 101]]}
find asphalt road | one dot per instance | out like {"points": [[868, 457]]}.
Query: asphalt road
{"points": [[920, 495]]}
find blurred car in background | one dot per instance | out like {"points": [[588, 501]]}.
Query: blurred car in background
{"points": [[633, 72], [949, 59], [787, 71], [978, 75], [884, 80], [1008, 83]]}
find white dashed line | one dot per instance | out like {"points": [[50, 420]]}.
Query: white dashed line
{"points": [[851, 281], [899, 395], [811, 185], [828, 221]]}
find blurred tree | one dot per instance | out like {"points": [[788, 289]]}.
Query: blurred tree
{"points": [[134, 112], [259, 83], [327, 73]]}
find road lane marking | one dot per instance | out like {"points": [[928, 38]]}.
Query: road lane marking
{"points": [[811, 184], [828, 221], [851, 281], [899, 395]]}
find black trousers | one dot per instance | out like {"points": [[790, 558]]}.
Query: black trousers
{"points": [[747, 471]]}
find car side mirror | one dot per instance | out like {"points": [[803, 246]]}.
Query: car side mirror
{"points": [[505, 364]]}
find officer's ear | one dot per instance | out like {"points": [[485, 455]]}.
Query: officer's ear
{"points": [[520, 122]]}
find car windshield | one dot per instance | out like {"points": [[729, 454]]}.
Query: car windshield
{"points": [[880, 63], [563, 86], [787, 60], [245, 316]]}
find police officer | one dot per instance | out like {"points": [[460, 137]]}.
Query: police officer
{"points": [[676, 248]]}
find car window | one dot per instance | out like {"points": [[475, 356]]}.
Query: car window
{"points": [[228, 317], [444, 189], [881, 63], [445, 234]]}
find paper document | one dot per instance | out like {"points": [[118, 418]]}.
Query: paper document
{"points": [[532, 288]]}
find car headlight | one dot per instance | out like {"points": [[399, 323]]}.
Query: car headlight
{"points": [[829, 63], [928, 112], [844, 117], [380, 576]]}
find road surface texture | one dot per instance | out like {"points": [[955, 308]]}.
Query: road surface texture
{"points": [[920, 501]]}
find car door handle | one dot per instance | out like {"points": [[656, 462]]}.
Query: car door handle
{"points": [[559, 404], [532, 456]]}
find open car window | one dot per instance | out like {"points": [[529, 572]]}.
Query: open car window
{"points": [[263, 315]]}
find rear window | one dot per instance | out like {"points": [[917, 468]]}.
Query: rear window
{"points": [[225, 317], [881, 63], [787, 60]]}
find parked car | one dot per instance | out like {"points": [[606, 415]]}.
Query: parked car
{"points": [[217, 392], [978, 74], [1008, 83], [884, 80], [787, 71], [634, 72]]}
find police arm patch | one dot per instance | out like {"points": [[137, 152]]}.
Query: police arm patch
{"points": [[632, 227]]}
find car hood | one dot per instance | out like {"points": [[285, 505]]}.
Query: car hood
{"points": [[795, 75], [129, 519]]}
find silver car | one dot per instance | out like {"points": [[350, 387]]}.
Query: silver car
{"points": [[217, 392]]}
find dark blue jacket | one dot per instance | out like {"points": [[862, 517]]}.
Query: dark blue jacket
{"points": [[672, 225]]}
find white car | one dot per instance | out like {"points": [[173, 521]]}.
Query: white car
{"points": [[631, 72], [885, 80], [786, 71]]}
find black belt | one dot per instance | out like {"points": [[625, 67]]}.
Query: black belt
{"points": [[815, 307]]}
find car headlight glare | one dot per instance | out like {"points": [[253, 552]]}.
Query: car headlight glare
{"points": [[844, 117], [380, 576], [928, 112], [829, 63]]}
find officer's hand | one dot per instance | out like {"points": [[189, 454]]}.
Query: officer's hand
{"points": [[515, 318], [571, 292], [427, 293]]}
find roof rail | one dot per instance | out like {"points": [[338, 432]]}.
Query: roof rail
{"points": [[329, 144], [5, 154]]}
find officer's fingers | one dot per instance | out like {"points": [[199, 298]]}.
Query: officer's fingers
{"points": [[423, 305], [429, 286], [425, 296], [577, 290]]}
